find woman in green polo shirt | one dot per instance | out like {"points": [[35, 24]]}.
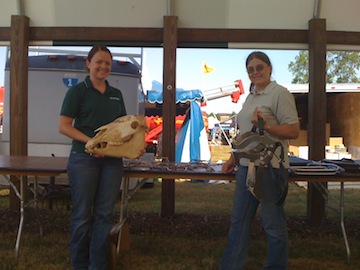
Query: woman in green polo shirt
{"points": [[94, 180]]}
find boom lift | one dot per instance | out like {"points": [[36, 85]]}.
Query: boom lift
{"points": [[233, 90]]}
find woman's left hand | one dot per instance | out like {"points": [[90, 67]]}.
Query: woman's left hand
{"points": [[255, 118]]}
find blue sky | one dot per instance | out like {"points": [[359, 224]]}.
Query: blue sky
{"points": [[228, 64]]}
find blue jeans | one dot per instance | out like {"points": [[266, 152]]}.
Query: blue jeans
{"points": [[273, 221], [95, 185]]}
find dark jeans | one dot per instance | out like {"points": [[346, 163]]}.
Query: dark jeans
{"points": [[273, 220], [95, 185]]}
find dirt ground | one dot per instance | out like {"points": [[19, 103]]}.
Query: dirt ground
{"points": [[180, 224]]}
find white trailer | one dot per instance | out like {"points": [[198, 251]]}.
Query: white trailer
{"points": [[50, 76]]}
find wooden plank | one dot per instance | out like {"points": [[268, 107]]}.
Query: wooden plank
{"points": [[343, 111], [317, 112], [19, 86], [5, 33], [343, 38], [113, 34], [18, 93], [169, 110], [242, 35], [144, 36]]}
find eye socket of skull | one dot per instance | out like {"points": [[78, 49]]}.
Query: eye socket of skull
{"points": [[134, 124]]}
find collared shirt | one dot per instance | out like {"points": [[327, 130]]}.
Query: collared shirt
{"points": [[277, 105], [91, 109]]}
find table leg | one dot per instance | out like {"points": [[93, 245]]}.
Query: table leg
{"points": [[342, 216], [117, 229], [21, 195], [51, 187], [35, 191], [22, 213], [123, 210], [324, 191]]}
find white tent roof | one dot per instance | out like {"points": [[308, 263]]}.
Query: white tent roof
{"points": [[246, 14]]}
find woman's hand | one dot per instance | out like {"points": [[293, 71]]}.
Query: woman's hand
{"points": [[255, 118], [284, 131], [228, 166]]}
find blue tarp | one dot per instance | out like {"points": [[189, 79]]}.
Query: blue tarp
{"points": [[155, 95], [194, 124]]}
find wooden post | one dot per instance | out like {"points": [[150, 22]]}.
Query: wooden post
{"points": [[317, 113], [169, 111], [18, 93]]}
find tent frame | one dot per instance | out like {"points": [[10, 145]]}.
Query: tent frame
{"points": [[170, 37]]}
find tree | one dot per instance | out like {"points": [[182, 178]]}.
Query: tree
{"points": [[300, 68], [342, 67]]}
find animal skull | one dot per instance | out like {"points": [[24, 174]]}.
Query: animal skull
{"points": [[124, 137]]}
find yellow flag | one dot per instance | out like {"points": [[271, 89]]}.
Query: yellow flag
{"points": [[207, 69]]}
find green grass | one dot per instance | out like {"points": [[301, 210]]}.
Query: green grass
{"points": [[193, 239]]}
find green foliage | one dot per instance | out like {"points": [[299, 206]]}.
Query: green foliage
{"points": [[300, 68], [342, 67]]}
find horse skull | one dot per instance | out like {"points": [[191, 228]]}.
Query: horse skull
{"points": [[124, 137]]}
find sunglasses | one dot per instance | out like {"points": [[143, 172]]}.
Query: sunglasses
{"points": [[258, 68]]}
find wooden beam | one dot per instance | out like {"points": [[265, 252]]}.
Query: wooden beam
{"points": [[242, 35], [110, 34], [19, 92], [146, 36], [169, 110], [342, 38], [317, 112], [19, 85], [186, 35], [5, 33]]}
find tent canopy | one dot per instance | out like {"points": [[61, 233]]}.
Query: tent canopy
{"points": [[155, 95]]}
